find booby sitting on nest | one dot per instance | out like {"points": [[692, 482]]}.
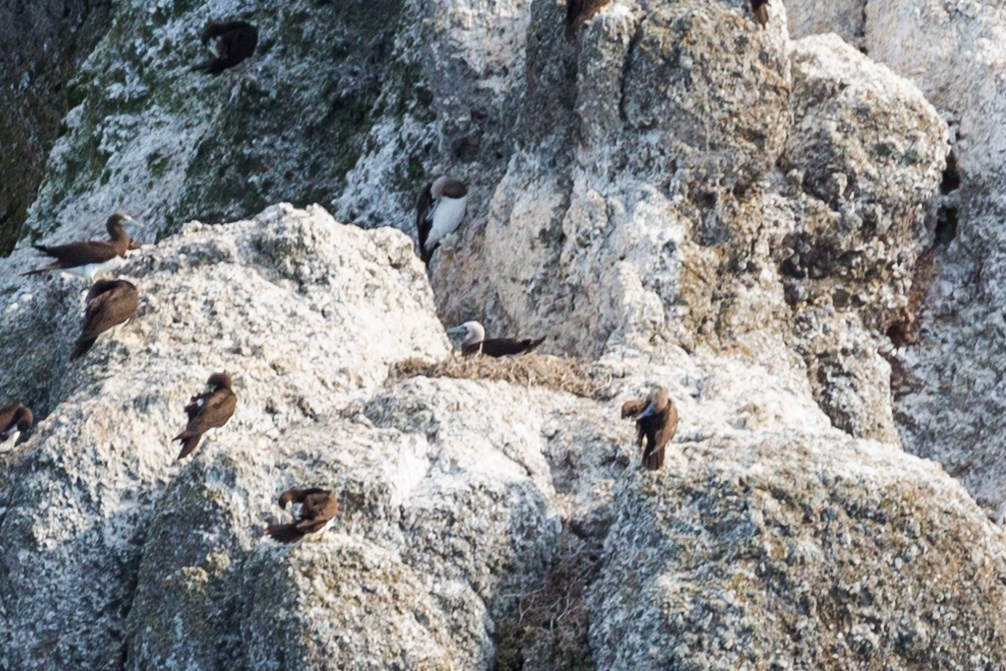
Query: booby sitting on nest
{"points": [[209, 410], [474, 341], [579, 12], [313, 510], [109, 303], [439, 211], [760, 10], [236, 41], [656, 421], [90, 257], [15, 419]]}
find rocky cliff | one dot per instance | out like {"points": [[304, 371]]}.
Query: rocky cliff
{"points": [[782, 232]]}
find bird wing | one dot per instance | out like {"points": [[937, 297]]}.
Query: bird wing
{"points": [[109, 308], [213, 413], [7, 417], [319, 505], [424, 220], [506, 346], [80, 253]]}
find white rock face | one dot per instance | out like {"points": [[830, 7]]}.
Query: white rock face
{"points": [[953, 52], [677, 196]]}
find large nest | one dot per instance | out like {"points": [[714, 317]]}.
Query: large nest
{"points": [[541, 370]]}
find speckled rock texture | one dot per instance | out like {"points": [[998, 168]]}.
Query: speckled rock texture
{"points": [[675, 195], [43, 44], [945, 383]]}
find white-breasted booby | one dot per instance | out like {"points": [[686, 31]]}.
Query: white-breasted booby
{"points": [[209, 410], [313, 510], [656, 421], [474, 341], [109, 303], [579, 12], [760, 10], [235, 41], [15, 419], [87, 258], [440, 209]]}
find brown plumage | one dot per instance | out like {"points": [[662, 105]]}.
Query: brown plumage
{"points": [[109, 303], [88, 257], [579, 12], [656, 421], [759, 8], [474, 341], [209, 410], [14, 418], [236, 41], [313, 509]]}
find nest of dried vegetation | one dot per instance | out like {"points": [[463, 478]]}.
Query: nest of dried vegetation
{"points": [[530, 370]]}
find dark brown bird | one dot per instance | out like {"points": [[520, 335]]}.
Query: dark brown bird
{"points": [[474, 341], [15, 419], [439, 212], [579, 12], [760, 10], [236, 41], [209, 410], [90, 257], [656, 421], [313, 510], [109, 303]]}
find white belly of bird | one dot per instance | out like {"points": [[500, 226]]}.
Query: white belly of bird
{"points": [[7, 444], [91, 269], [446, 217]]}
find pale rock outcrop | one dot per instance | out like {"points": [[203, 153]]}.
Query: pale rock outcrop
{"points": [[847, 18], [279, 301], [677, 195], [953, 52]]}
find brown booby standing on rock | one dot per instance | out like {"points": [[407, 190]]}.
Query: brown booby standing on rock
{"points": [[90, 257], [109, 303], [15, 419], [474, 341], [312, 510], [579, 12], [656, 421], [236, 41], [760, 10], [439, 211], [209, 410]]}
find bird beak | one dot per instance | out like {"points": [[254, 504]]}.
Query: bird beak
{"points": [[647, 411], [457, 330]]}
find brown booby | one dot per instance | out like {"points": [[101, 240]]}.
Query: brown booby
{"points": [[15, 419], [90, 257], [109, 303], [656, 421], [579, 12], [760, 10], [313, 509], [236, 41], [209, 410], [439, 211], [474, 341]]}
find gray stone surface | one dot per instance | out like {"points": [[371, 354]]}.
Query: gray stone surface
{"points": [[676, 196]]}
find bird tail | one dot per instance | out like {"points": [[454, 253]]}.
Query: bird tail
{"points": [[83, 347], [427, 254], [207, 66], [653, 459], [189, 443], [532, 344], [285, 533], [37, 271]]}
